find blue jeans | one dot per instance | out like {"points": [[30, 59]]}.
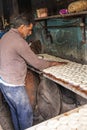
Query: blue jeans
{"points": [[18, 101]]}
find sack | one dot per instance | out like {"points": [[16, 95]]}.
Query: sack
{"points": [[77, 6], [48, 99]]}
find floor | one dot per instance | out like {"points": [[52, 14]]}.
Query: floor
{"points": [[5, 117]]}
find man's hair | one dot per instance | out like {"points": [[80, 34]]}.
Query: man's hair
{"points": [[22, 19]]}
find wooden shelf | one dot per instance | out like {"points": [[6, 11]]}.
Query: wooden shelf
{"points": [[81, 15], [72, 15]]}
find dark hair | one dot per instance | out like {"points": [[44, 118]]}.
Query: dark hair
{"points": [[23, 18]]}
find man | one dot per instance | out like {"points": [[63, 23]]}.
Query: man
{"points": [[15, 54]]}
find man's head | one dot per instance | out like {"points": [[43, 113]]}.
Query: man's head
{"points": [[25, 30], [24, 24]]}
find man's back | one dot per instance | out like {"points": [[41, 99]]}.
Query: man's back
{"points": [[12, 65]]}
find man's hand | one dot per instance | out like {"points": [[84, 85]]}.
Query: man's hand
{"points": [[52, 63], [55, 63]]}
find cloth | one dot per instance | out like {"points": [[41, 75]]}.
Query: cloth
{"points": [[15, 54], [21, 111]]}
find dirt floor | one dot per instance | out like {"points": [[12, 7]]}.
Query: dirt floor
{"points": [[5, 117]]}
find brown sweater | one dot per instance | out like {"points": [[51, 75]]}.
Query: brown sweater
{"points": [[15, 54]]}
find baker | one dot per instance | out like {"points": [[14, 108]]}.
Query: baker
{"points": [[15, 54]]}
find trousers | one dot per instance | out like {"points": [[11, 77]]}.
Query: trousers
{"points": [[18, 101]]}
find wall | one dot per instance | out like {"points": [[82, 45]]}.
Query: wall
{"points": [[65, 42], [51, 5]]}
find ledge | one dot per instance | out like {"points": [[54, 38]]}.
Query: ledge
{"points": [[71, 15]]}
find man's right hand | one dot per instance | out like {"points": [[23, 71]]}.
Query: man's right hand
{"points": [[55, 63]]}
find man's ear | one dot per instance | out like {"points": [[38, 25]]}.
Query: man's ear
{"points": [[30, 25], [20, 28]]}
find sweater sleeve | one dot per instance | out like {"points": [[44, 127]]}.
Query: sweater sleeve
{"points": [[30, 57]]}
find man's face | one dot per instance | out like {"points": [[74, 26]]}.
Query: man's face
{"points": [[27, 30]]}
